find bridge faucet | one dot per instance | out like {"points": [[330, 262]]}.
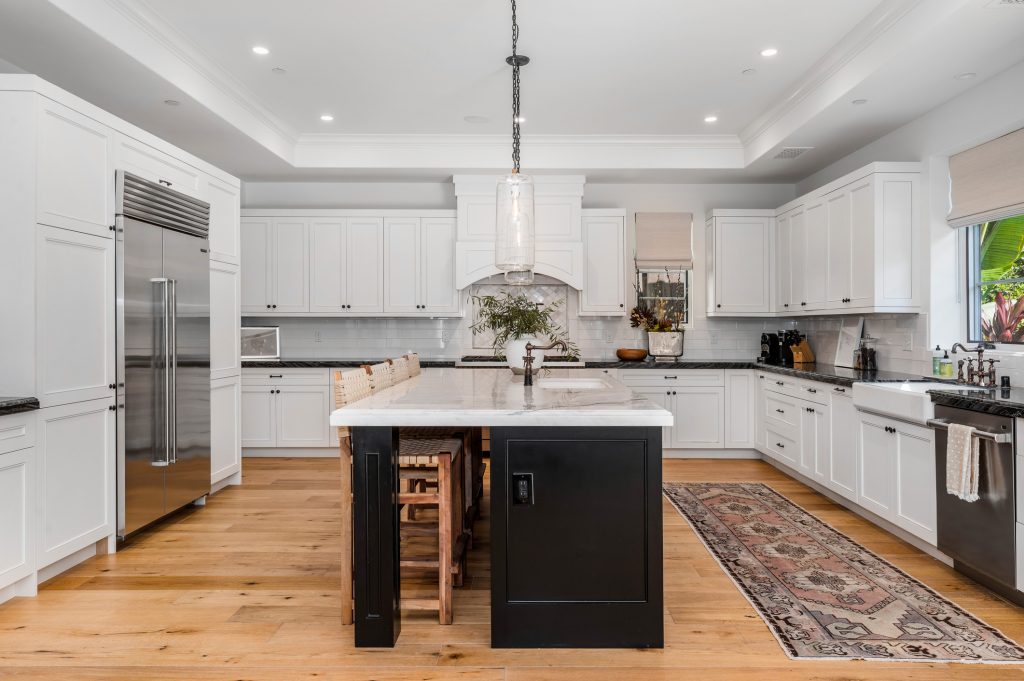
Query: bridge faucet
{"points": [[971, 375], [528, 359]]}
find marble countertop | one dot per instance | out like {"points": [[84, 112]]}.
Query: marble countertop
{"points": [[16, 405], [997, 401], [484, 397]]}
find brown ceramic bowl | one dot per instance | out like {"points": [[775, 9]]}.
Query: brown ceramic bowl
{"points": [[631, 355]]}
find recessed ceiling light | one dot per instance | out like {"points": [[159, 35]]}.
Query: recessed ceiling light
{"points": [[859, 102], [260, 50], [476, 119], [710, 119], [769, 52], [279, 70], [965, 76], [748, 72], [171, 102], [326, 118]]}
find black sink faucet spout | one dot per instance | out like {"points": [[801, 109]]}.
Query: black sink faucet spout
{"points": [[528, 359]]}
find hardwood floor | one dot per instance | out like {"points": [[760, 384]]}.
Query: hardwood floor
{"points": [[247, 588]]}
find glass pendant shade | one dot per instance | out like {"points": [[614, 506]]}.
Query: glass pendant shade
{"points": [[515, 229]]}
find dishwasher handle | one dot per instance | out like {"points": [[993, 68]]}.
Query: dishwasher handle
{"points": [[998, 438]]}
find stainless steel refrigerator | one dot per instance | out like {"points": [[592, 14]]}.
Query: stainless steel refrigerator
{"points": [[163, 351]]}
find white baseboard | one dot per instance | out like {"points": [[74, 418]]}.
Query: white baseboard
{"points": [[233, 479], [67, 562], [709, 454], [24, 587], [294, 452]]}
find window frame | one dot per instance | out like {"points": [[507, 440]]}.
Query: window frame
{"points": [[974, 286]]}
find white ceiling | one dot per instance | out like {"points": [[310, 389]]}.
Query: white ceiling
{"points": [[615, 90]]}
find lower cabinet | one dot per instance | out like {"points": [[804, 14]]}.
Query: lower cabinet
{"points": [[75, 473], [697, 401], [699, 417], [897, 474], [259, 416], [287, 408], [815, 444], [225, 427], [17, 512], [303, 415], [842, 475]]}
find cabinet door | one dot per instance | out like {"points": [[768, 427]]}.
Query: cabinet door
{"points": [[224, 220], [74, 171], [840, 255], [699, 418], [74, 316], [604, 275], [759, 412], [303, 414], [75, 478], [225, 428], [894, 249], [877, 466], [291, 266], [798, 260], [402, 274], [815, 444], [259, 416], [915, 482], [844, 434], [225, 320], [256, 265], [437, 266], [739, 417], [815, 257], [784, 262], [663, 398], [17, 513], [327, 265], [364, 265], [154, 165], [742, 265], [862, 246]]}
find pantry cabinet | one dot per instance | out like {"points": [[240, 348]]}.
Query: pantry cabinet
{"points": [[604, 264], [739, 245], [224, 199], [225, 320]]}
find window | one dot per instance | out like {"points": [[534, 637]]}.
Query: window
{"points": [[666, 292], [995, 281]]}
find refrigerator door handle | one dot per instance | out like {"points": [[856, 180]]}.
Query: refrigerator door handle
{"points": [[172, 425], [166, 365]]}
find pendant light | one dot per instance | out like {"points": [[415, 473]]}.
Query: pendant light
{"points": [[514, 238]]}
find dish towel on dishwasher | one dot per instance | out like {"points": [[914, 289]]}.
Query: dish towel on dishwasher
{"points": [[963, 461]]}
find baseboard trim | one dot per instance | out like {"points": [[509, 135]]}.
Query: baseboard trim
{"points": [[291, 452], [710, 454], [233, 479], [67, 562]]}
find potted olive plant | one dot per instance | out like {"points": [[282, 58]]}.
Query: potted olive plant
{"points": [[515, 320]]}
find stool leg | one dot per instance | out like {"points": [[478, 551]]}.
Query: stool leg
{"points": [[444, 538], [459, 511]]}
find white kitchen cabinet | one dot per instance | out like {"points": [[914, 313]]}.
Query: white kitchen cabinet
{"points": [[739, 247], [782, 443], [784, 260], [797, 262], [557, 207], [224, 203], [154, 165], [364, 267], [258, 416], [225, 427], [74, 316], [345, 265], [916, 504], [877, 466], [815, 443], [815, 262], [419, 266], [839, 219], [740, 396], [75, 478], [256, 265], [302, 414], [17, 498], [699, 414], [75, 183], [662, 397], [604, 264], [285, 408], [225, 320], [844, 434], [760, 393]]}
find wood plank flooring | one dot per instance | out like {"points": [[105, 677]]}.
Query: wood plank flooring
{"points": [[248, 588]]}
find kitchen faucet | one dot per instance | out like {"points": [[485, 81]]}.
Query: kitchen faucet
{"points": [[528, 359], [977, 376]]}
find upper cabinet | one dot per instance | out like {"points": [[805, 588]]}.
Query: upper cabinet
{"points": [[604, 263], [351, 263], [739, 246], [154, 165], [846, 248], [224, 200]]}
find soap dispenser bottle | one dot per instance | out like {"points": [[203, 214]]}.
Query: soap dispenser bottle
{"points": [[937, 361]]}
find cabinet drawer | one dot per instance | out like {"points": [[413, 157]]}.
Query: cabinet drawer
{"points": [[286, 377], [782, 442], [781, 408], [673, 377], [804, 390], [814, 392], [17, 431]]}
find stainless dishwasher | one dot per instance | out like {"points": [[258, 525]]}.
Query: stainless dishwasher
{"points": [[980, 536]]}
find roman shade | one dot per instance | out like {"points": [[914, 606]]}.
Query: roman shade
{"points": [[987, 182], [663, 240]]}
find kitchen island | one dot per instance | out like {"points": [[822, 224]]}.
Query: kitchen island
{"points": [[576, 535]]}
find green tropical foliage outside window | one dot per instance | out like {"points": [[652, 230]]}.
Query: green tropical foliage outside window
{"points": [[996, 266]]}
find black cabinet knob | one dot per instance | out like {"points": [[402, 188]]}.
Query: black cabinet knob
{"points": [[719, 305], [111, 386], [268, 306], [275, 307], [622, 305], [673, 392], [112, 407], [785, 305], [803, 304]]}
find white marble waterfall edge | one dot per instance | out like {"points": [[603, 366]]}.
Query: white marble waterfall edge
{"points": [[496, 397]]}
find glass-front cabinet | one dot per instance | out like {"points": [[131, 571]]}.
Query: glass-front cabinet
{"points": [[666, 293]]}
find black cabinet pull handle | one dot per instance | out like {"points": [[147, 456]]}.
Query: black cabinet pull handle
{"points": [[669, 378], [810, 410], [811, 390], [780, 445], [166, 183], [779, 383], [840, 390], [780, 411], [276, 375]]}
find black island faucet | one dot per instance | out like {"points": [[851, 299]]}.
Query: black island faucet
{"points": [[528, 359]]}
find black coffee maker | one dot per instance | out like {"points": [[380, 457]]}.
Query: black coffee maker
{"points": [[771, 349]]}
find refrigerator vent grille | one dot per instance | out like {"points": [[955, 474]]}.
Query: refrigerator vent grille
{"points": [[159, 205]]}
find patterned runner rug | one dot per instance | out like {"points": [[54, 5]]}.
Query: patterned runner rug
{"points": [[823, 595]]}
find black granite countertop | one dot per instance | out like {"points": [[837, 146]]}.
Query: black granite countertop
{"points": [[825, 373], [16, 405], [997, 401]]}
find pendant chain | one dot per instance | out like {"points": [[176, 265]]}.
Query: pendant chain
{"points": [[515, 91]]}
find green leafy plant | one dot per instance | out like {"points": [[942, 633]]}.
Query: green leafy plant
{"points": [[512, 316], [1001, 247], [1005, 324]]}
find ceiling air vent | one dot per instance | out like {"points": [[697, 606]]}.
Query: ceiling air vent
{"points": [[791, 152]]}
